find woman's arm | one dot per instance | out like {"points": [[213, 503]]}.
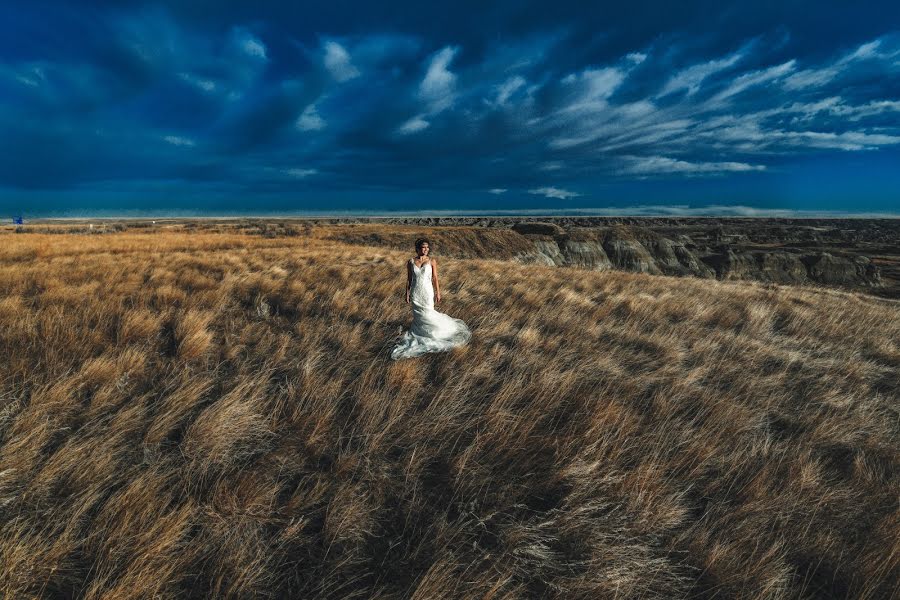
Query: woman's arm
{"points": [[437, 284], [408, 278]]}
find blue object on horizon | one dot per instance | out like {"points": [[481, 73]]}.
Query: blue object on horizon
{"points": [[17, 220]]}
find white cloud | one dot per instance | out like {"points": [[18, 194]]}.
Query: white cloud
{"points": [[848, 140], [25, 80], [597, 84], [690, 79], [746, 133], [589, 93], [309, 119], [497, 191], [207, 85], [176, 140], [876, 107], [554, 192], [299, 173], [337, 61], [812, 78], [804, 111], [34, 76], [250, 45], [754, 78], [651, 165], [438, 86], [508, 88], [835, 106], [657, 130], [636, 57], [867, 50], [602, 82], [415, 124], [613, 124]]}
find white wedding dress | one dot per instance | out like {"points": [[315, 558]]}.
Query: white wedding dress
{"points": [[431, 331]]}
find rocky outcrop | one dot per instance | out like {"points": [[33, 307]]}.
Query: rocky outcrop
{"points": [[629, 254], [640, 250], [588, 254], [774, 267], [626, 249], [538, 228], [674, 258], [546, 252], [780, 266], [567, 249], [838, 270]]}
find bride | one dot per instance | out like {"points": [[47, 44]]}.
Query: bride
{"points": [[431, 331]]}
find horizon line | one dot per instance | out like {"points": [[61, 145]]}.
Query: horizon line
{"points": [[647, 211]]}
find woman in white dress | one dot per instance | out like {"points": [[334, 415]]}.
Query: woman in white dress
{"points": [[431, 331]]}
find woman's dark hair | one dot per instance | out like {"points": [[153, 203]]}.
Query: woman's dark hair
{"points": [[421, 241]]}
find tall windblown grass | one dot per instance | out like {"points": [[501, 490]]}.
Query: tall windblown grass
{"points": [[216, 415]]}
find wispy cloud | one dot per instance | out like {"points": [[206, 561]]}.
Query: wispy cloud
{"points": [[691, 78], [439, 84], [31, 75], [837, 107], [636, 57], [592, 88], [509, 87], [249, 44], [847, 140], [810, 78], [337, 61], [298, 173], [813, 78], [867, 50], [207, 85], [652, 165], [177, 140], [309, 119], [554, 192], [413, 125], [497, 191], [753, 78]]}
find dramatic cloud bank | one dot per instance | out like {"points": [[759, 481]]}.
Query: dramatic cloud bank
{"points": [[155, 99]]}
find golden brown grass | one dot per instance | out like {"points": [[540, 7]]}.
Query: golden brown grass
{"points": [[215, 415]]}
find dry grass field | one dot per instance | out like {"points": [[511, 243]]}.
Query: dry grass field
{"points": [[214, 415]]}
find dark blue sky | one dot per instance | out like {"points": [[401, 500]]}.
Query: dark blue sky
{"points": [[276, 107]]}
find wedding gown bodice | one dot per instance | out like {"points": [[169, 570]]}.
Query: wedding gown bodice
{"points": [[422, 290], [431, 331]]}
